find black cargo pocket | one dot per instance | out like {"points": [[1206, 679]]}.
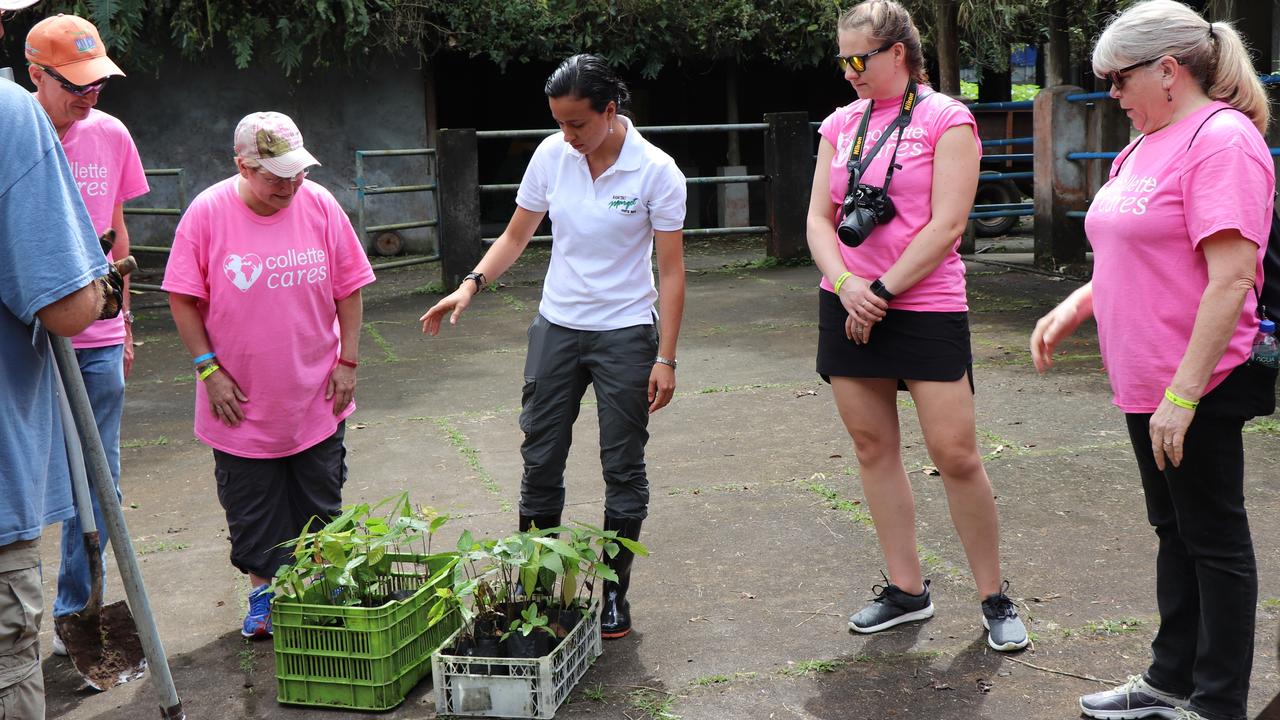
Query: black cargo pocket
{"points": [[526, 404]]}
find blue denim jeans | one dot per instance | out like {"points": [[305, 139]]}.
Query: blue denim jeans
{"points": [[103, 371]]}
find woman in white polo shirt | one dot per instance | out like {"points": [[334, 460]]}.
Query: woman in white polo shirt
{"points": [[612, 198]]}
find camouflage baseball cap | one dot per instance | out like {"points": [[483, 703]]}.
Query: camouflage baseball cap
{"points": [[273, 140]]}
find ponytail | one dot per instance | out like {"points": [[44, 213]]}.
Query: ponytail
{"points": [[1232, 78]]}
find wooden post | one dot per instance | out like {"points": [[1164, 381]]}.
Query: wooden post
{"points": [[458, 176], [1060, 184], [788, 161]]}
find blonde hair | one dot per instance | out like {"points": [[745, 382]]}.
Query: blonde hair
{"points": [[889, 22], [1214, 53]]}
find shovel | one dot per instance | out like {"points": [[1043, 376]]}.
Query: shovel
{"points": [[102, 642]]}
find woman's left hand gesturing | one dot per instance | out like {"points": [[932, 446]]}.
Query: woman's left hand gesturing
{"points": [[1168, 429], [662, 386]]}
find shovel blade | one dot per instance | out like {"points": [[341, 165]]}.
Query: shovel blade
{"points": [[104, 646]]}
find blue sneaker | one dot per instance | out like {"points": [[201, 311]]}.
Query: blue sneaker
{"points": [[257, 624]]}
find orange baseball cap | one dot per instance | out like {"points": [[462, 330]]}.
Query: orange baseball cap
{"points": [[72, 47]]}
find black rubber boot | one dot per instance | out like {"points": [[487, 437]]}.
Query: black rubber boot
{"points": [[541, 521], [615, 615]]}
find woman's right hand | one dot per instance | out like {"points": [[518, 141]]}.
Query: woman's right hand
{"points": [[1051, 330], [457, 302], [865, 308], [225, 397]]}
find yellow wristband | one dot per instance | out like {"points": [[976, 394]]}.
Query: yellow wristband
{"points": [[208, 370], [1181, 402], [840, 281]]}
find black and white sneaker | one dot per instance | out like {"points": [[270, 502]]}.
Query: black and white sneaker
{"points": [[1005, 631], [1133, 700], [891, 606]]}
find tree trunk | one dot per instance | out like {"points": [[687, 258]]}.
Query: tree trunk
{"points": [[996, 84], [946, 35], [1058, 59]]}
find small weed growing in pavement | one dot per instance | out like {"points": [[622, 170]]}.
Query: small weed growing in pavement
{"points": [[595, 693], [1123, 626], [713, 680], [1271, 604], [247, 657], [513, 302], [811, 667], [431, 288], [1266, 426], [656, 705], [389, 353], [162, 440], [160, 546]]}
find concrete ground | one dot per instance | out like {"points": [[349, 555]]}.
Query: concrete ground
{"points": [[760, 544]]}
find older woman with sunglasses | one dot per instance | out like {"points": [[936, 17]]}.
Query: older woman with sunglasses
{"points": [[264, 284], [892, 308], [1178, 233]]}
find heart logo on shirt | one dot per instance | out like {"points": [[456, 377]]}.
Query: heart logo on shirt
{"points": [[242, 270]]}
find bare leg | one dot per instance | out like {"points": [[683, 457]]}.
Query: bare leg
{"points": [[947, 420], [867, 407]]}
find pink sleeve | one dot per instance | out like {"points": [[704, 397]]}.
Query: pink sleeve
{"points": [[133, 181], [830, 128], [952, 114], [186, 273], [1236, 176], [351, 269]]}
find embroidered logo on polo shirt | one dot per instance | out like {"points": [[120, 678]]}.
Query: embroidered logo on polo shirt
{"points": [[625, 204]]}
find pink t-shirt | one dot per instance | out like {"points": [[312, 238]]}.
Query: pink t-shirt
{"points": [[108, 172], [268, 288], [1145, 225], [943, 290]]}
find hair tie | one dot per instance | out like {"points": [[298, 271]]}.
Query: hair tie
{"points": [[1212, 37]]}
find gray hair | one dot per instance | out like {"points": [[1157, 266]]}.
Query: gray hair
{"points": [[1214, 53]]}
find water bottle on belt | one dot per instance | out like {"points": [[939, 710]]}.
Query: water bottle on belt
{"points": [[1266, 349]]}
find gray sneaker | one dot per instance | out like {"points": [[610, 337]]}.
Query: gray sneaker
{"points": [[891, 606], [1005, 631], [1135, 699]]}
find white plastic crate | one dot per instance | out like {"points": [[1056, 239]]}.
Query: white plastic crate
{"points": [[531, 687]]}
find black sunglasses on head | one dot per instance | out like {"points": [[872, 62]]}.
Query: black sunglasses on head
{"points": [[74, 89], [858, 63]]}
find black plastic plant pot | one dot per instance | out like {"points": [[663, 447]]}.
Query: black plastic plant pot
{"points": [[487, 625], [535, 644], [569, 618]]}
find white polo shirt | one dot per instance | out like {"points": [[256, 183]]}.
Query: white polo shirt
{"points": [[601, 271]]}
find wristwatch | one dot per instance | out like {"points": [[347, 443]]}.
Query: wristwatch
{"points": [[128, 316], [879, 290], [478, 277], [666, 361]]}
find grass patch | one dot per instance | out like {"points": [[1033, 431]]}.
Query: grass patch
{"points": [[388, 353], [594, 693], [130, 444], [1266, 426], [472, 457], [431, 288], [736, 388], [836, 501], [715, 680], [805, 668], [512, 301], [1111, 628], [1270, 604], [654, 704], [159, 546]]}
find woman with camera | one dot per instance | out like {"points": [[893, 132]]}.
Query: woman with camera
{"points": [[1178, 233], [614, 199], [896, 175]]}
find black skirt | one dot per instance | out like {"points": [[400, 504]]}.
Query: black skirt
{"points": [[906, 345]]}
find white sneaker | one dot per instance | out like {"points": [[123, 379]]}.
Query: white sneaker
{"points": [[59, 648]]}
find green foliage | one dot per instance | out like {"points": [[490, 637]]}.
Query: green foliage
{"points": [[352, 554]]}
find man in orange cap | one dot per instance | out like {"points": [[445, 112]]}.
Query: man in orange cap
{"points": [[50, 265], [70, 68]]}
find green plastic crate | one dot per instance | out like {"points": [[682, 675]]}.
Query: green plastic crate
{"points": [[357, 657]]}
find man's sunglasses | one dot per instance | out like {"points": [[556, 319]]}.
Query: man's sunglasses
{"points": [[858, 63], [274, 180], [77, 90], [1117, 77]]}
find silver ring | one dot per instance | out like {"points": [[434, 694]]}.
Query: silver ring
{"points": [[1168, 442]]}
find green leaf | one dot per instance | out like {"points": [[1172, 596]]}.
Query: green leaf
{"points": [[465, 542], [554, 563], [633, 546]]}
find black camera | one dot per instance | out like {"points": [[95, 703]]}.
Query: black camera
{"points": [[865, 207]]}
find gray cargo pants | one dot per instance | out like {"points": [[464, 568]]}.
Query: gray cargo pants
{"points": [[560, 364]]}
